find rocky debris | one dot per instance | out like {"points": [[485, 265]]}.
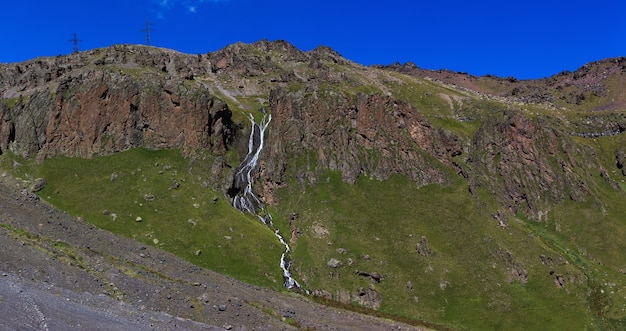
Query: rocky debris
{"points": [[601, 124], [515, 270], [343, 296], [295, 229], [502, 218], [288, 313], [38, 185], [374, 276], [563, 276], [518, 272], [423, 248], [175, 185], [368, 298], [29, 196], [113, 287], [619, 161], [322, 294], [550, 261], [559, 281], [334, 263]]}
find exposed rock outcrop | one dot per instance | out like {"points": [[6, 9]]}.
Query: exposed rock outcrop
{"points": [[529, 165], [371, 135], [112, 99], [592, 81], [105, 101]]}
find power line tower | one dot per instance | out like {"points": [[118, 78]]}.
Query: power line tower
{"points": [[147, 30], [75, 40]]}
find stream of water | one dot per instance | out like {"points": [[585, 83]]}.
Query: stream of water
{"points": [[247, 201]]}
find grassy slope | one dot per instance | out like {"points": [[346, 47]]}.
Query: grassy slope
{"points": [[463, 283], [182, 220], [386, 220]]}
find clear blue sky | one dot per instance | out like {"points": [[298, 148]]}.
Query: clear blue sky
{"points": [[524, 39]]}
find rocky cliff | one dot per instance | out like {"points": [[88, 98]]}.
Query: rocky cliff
{"points": [[367, 135], [109, 100], [328, 114], [529, 165], [544, 158]]}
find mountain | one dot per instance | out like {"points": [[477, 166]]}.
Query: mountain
{"points": [[433, 197]]}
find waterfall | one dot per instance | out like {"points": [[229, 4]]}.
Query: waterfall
{"points": [[246, 201]]}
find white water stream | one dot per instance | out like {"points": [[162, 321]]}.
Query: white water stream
{"points": [[247, 201]]}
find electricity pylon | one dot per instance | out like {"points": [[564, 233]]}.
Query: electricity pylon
{"points": [[75, 40], [147, 30]]}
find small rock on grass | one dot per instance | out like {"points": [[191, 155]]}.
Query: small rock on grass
{"points": [[334, 263], [38, 185]]}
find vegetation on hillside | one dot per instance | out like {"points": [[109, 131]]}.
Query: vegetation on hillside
{"points": [[492, 247]]}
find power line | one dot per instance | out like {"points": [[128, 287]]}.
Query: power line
{"points": [[147, 30], [75, 40]]}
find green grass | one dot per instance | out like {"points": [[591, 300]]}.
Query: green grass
{"points": [[10, 102], [181, 220], [466, 282], [461, 284]]}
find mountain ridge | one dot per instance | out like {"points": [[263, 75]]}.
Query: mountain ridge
{"points": [[512, 156]]}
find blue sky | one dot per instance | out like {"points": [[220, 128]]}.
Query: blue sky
{"points": [[524, 39]]}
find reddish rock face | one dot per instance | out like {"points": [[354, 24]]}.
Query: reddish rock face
{"points": [[99, 110], [366, 136], [108, 100], [527, 164], [110, 112]]}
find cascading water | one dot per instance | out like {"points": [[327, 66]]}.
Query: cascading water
{"points": [[246, 201]]}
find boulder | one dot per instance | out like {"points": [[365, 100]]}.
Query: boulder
{"points": [[38, 185], [334, 263]]}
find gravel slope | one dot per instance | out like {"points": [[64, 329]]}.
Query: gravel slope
{"points": [[61, 273]]}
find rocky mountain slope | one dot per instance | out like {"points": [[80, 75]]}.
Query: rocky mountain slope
{"points": [[61, 273], [541, 159]]}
